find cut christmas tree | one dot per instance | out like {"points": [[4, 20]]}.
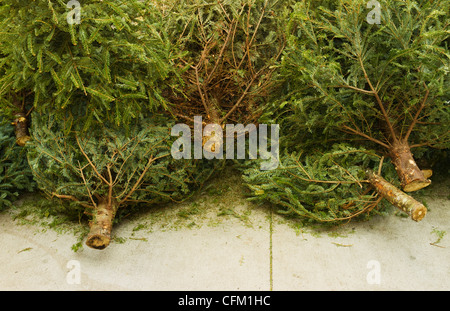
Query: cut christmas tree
{"points": [[228, 50], [386, 83], [109, 167], [331, 185], [112, 56], [356, 87], [90, 82]]}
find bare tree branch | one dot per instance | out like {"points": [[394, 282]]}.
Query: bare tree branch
{"points": [[416, 117]]}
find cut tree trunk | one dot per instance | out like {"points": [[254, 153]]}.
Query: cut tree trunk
{"points": [[21, 129], [406, 203], [99, 236], [411, 177]]}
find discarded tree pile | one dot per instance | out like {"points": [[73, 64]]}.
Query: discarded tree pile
{"points": [[91, 90]]}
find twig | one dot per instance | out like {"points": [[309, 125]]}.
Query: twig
{"points": [[239, 101], [29, 111], [434, 244], [416, 117], [200, 91], [254, 34], [92, 165], [355, 88], [187, 118], [365, 136], [380, 103], [222, 50], [150, 161], [223, 9], [108, 167], [429, 143], [70, 197], [85, 183], [380, 165]]}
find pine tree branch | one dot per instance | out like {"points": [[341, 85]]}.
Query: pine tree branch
{"points": [[232, 42], [116, 180], [355, 88], [416, 117], [248, 44], [86, 185], [219, 57], [70, 197], [430, 143], [90, 162], [336, 101], [138, 182], [380, 103], [244, 94], [110, 185], [365, 136], [205, 105], [187, 118], [223, 11], [348, 173], [335, 182]]}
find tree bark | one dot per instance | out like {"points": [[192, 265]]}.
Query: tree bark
{"points": [[411, 177], [215, 140], [21, 129], [99, 236], [399, 199]]}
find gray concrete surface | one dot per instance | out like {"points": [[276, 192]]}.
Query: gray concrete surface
{"points": [[233, 245]]}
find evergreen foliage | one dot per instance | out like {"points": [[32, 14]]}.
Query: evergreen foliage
{"points": [[374, 82], [127, 167], [113, 61], [353, 90], [103, 170], [15, 174], [229, 54], [348, 95], [321, 186]]}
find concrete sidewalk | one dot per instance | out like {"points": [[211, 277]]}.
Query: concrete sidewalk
{"points": [[221, 242]]}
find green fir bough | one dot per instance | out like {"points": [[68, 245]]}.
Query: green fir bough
{"points": [[228, 55], [354, 88], [113, 62], [15, 174], [386, 83]]}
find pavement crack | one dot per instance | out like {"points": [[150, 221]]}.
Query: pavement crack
{"points": [[271, 250]]}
